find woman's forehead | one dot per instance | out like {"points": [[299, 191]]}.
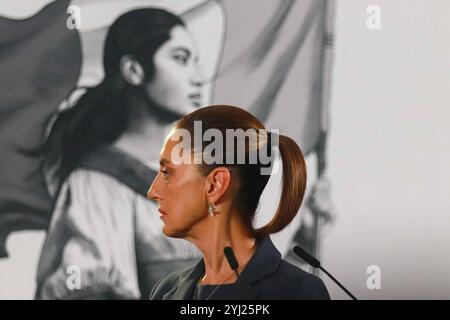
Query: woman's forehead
{"points": [[166, 155], [180, 38], [166, 150]]}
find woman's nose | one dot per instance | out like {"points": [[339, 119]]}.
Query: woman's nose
{"points": [[197, 78], [196, 82], [151, 193]]}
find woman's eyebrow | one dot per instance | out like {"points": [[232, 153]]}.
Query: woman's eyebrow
{"points": [[163, 162]]}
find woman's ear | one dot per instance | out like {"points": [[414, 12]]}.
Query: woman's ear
{"points": [[218, 182], [131, 70]]}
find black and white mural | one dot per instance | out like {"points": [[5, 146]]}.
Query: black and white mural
{"points": [[89, 90]]}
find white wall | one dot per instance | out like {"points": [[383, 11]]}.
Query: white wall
{"points": [[389, 150]]}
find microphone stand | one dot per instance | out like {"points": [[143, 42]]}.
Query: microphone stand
{"points": [[301, 253]]}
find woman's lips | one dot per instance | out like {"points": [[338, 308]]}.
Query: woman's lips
{"points": [[162, 213], [196, 99]]}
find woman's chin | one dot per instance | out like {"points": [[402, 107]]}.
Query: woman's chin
{"points": [[170, 232], [190, 106], [166, 231]]}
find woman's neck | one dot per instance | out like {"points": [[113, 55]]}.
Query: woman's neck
{"points": [[215, 233], [145, 132]]}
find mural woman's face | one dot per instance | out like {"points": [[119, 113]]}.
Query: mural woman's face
{"points": [[176, 85]]}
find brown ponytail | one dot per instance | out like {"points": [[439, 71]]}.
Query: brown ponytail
{"points": [[294, 185]]}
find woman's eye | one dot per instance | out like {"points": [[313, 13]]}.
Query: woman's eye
{"points": [[180, 59], [165, 172]]}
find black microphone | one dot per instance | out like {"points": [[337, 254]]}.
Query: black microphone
{"points": [[231, 258], [299, 251], [244, 290]]}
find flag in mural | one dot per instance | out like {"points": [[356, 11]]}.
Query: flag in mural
{"points": [[40, 63], [274, 64]]}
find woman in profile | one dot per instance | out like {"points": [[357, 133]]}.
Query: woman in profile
{"points": [[215, 207], [103, 240]]}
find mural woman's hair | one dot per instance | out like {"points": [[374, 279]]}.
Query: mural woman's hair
{"points": [[101, 114], [250, 181]]}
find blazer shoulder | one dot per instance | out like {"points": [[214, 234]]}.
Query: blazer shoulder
{"points": [[164, 285], [294, 283], [169, 282]]}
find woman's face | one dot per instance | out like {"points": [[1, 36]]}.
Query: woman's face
{"points": [[176, 85], [179, 191]]}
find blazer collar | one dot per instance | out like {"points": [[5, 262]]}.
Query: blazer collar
{"points": [[186, 283], [262, 264]]}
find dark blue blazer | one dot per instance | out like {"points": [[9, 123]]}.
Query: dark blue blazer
{"points": [[266, 276]]}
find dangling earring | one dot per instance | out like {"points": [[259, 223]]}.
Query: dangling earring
{"points": [[211, 209]]}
